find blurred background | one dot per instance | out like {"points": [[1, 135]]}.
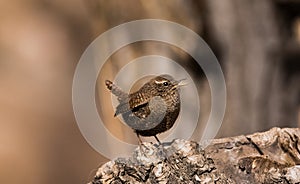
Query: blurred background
{"points": [[257, 44]]}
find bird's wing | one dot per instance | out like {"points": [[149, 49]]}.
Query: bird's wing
{"points": [[125, 107], [137, 101], [122, 108]]}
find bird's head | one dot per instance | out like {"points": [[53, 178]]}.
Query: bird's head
{"points": [[166, 84]]}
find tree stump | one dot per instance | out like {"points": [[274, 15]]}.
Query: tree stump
{"points": [[267, 157]]}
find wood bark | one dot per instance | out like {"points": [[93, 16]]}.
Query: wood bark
{"points": [[267, 157]]}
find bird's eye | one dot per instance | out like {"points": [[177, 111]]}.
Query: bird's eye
{"points": [[165, 83]]}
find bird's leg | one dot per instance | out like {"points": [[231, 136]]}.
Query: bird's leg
{"points": [[161, 149], [139, 138], [157, 140], [142, 146]]}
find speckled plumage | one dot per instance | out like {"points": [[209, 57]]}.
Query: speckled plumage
{"points": [[152, 109]]}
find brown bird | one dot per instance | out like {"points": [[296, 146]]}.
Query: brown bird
{"points": [[152, 109]]}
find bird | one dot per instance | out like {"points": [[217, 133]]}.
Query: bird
{"points": [[151, 110]]}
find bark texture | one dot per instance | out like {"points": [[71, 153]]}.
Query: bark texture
{"points": [[268, 157]]}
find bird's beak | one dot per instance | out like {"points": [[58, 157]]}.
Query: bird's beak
{"points": [[180, 83]]}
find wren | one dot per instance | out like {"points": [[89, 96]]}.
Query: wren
{"points": [[152, 109]]}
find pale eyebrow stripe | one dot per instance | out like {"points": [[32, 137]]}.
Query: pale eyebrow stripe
{"points": [[160, 82]]}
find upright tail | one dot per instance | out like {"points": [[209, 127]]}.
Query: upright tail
{"points": [[118, 92]]}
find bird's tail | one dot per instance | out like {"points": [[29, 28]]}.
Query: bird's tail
{"points": [[118, 92]]}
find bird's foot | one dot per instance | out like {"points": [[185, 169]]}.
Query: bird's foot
{"points": [[158, 141]]}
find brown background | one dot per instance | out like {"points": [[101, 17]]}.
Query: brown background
{"points": [[256, 42]]}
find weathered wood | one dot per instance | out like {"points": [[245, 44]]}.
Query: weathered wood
{"points": [[268, 157]]}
